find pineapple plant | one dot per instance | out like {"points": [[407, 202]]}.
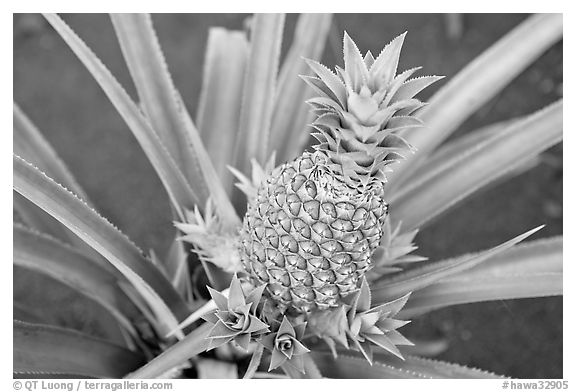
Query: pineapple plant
{"points": [[310, 269], [315, 223]]}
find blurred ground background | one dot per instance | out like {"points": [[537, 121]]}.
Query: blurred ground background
{"points": [[517, 338]]}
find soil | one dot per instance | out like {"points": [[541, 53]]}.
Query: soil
{"points": [[520, 338]]}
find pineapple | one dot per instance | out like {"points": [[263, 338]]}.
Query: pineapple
{"points": [[316, 221]]}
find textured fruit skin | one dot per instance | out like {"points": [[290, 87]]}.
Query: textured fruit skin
{"points": [[315, 222], [309, 236]]}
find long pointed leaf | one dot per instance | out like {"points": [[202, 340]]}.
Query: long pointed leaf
{"points": [[31, 144], [310, 369], [422, 276], [49, 300], [149, 71], [435, 369], [386, 366], [58, 351], [476, 84], [349, 366], [164, 107], [34, 217], [178, 189], [254, 362], [25, 313], [223, 206], [209, 306], [47, 255], [453, 149], [292, 372], [528, 270], [259, 91], [538, 256], [193, 344], [442, 187], [291, 113], [176, 264], [216, 369], [104, 238], [218, 113], [462, 291]]}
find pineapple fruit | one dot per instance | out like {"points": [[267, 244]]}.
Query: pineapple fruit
{"points": [[316, 221]]}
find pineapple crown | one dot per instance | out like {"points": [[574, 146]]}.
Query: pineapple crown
{"points": [[361, 111]]}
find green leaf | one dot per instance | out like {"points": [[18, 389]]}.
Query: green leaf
{"points": [[176, 355], [292, 115], [270, 375], [350, 364], [529, 270], [150, 282], [393, 287], [254, 362], [45, 349], [34, 217], [458, 177], [163, 105], [311, 370], [44, 299], [476, 84], [425, 348], [31, 144], [259, 91], [230, 222], [216, 369], [60, 261], [452, 149], [435, 369], [291, 372], [463, 291], [206, 308], [177, 269], [151, 76], [542, 255], [25, 313], [310, 367], [218, 113], [178, 189]]}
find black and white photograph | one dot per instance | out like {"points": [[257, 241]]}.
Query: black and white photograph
{"points": [[287, 196]]}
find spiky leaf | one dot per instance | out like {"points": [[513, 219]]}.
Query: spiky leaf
{"points": [[291, 115], [193, 344], [458, 177], [422, 276], [143, 55], [175, 183], [47, 350], [222, 86], [477, 83], [49, 256], [151, 284], [167, 112], [259, 90], [528, 270], [351, 365], [31, 145]]}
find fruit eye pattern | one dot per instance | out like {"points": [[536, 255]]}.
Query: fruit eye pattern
{"points": [[325, 242], [318, 275], [327, 206]]}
